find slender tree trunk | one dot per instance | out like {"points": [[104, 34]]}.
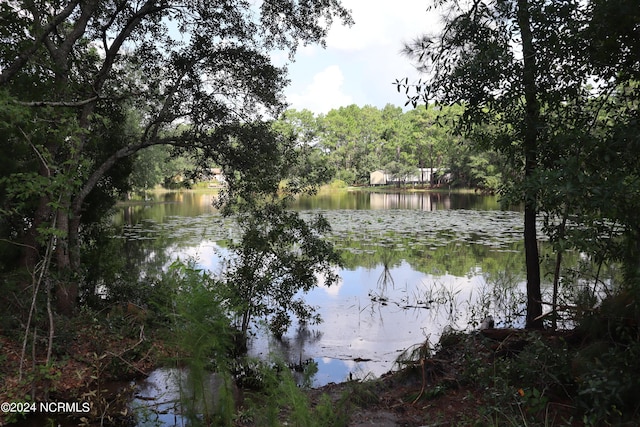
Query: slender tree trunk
{"points": [[67, 286], [246, 318], [30, 245], [530, 142], [431, 164], [74, 242], [556, 273]]}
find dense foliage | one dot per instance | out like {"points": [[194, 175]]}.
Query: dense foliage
{"points": [[279, 258], [349, 143], [86, 85], [565, 117], [354, 141]]}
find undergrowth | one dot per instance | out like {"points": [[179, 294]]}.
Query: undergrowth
{"points": [[282, 401], [587, 376]]}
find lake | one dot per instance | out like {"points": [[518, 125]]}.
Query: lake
{"points": [[415, 263]]}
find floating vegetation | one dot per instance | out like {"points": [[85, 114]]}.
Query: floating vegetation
{"points": [[430, 229], [396, 229], [450, 239]]}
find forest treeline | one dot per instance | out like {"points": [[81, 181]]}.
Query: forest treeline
{"points": [[356, 141], [350, 142]]}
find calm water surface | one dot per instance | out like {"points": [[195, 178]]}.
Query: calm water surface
{"points": [[415, 263]]}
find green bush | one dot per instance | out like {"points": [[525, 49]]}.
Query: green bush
{"points": [[346, 175], [203, 337], [608, 390], [282, 401], [337, 184]]}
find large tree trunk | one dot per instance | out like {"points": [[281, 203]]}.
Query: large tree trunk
{"points": [[31, 243], [530, 142], [534, 296]]}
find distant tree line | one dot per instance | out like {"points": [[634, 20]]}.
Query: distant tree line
{"points": [[349, 143], [354, 141]]}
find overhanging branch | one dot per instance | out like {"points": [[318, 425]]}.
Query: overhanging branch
{"points": [[24, 57], [110, 161], [57, 103]]}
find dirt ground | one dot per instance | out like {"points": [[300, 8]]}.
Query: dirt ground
{"points": [[396, 400], [430, 393]]}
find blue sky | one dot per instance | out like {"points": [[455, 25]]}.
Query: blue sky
{"points": [[360, 62]]}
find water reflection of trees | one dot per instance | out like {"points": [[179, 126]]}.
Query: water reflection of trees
{"points": [[125, 267], [385, 278], [455, 258], [498, 290], [424, 201], [474, 250]]}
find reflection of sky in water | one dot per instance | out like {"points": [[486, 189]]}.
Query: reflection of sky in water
{"points": [[367, 323], [160, 398], [333, 370], [364, 319], [157, 399]]}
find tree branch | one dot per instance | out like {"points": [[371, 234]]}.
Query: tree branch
{"points": [[97, 174], [148, 8], [88, 8], [24, 57], [57, 103]]}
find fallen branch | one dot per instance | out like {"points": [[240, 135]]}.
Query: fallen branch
{"points": [[119, 356]]}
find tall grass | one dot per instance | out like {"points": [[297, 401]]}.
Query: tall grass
{"points": [[202, 338]]}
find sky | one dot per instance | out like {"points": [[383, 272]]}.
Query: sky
{"points": [[361, 62]]}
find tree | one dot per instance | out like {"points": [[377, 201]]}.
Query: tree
{"points": [[613, 152], [303, 124], [394, 150], [279, 254], [514, 66], [304, 128], [429, 138], [278, 257], [349, 134], [71, 72]]}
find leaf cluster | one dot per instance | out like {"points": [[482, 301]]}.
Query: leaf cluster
{"points": [[279, 258], [581, 172]]}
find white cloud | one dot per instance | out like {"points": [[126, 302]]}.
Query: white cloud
{"points": [[379, 24], [361, 62], [323, 93]]}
